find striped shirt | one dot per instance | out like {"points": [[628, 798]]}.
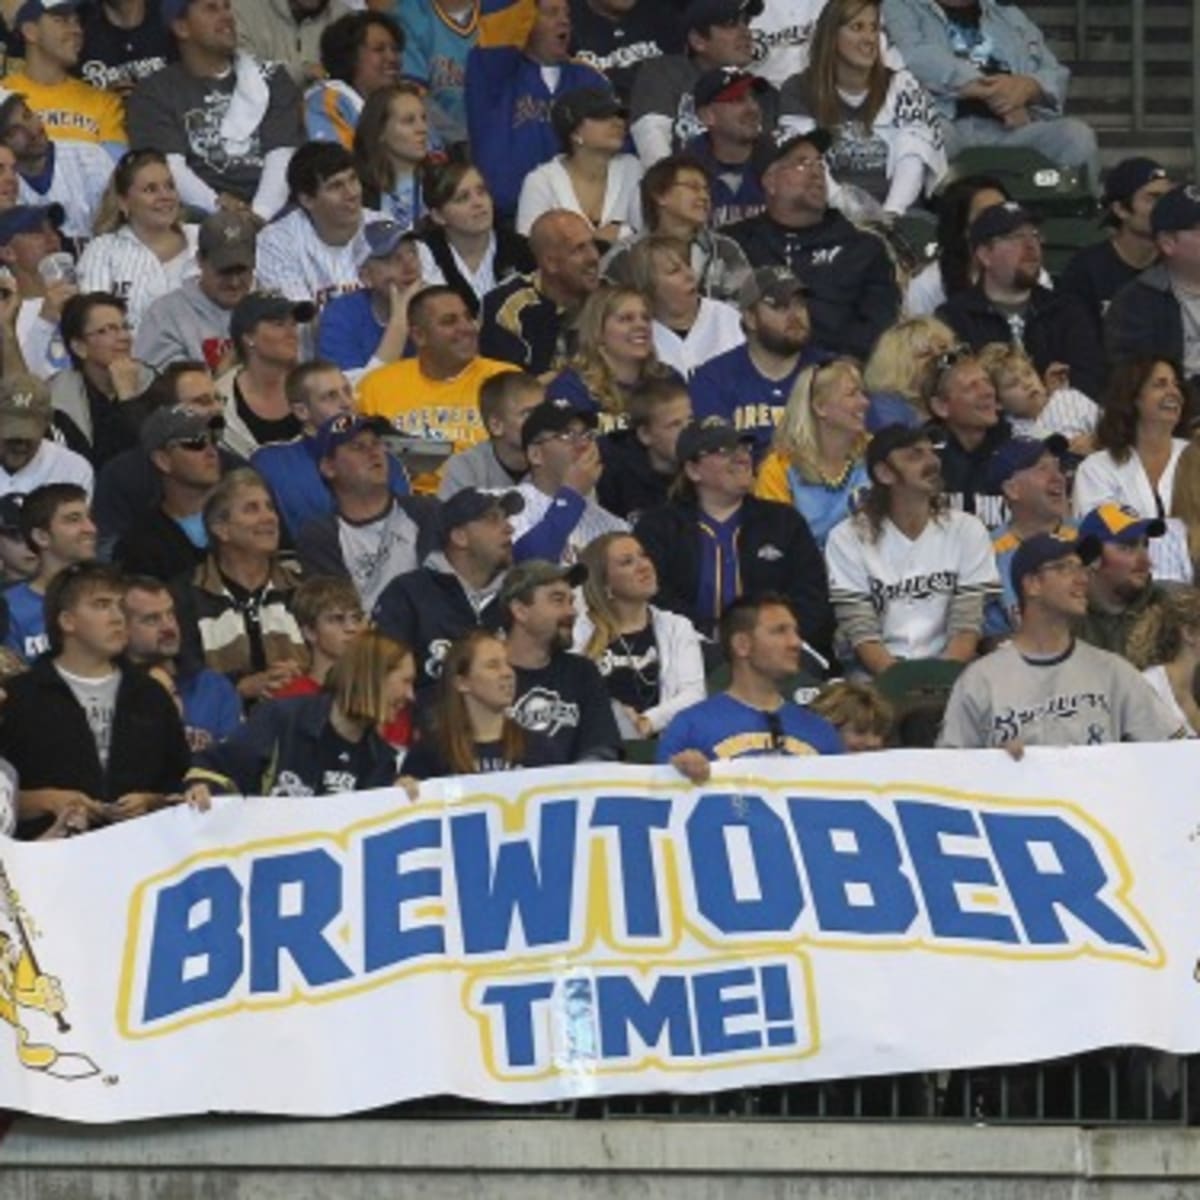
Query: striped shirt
{"points": [[1068, 412], [121, 263], [293, 259], [593, 521]]}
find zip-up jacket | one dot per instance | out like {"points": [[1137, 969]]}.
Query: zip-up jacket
{"points": [[1144, 320]]}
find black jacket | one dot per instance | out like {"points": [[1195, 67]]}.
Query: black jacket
{"points": [[965, 473], [512, 258], [46, 737], [1057, 329], [319, 546], [1144, 319], [427, 609], [850, 277], [777, 553], [278, 748], [630, 485], [522, 326], [157, 546]]}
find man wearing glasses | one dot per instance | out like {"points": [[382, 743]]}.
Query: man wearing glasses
{"points": [[561, 515], [1045, 688], [847, 273], [1008, 304], [761, 641]]}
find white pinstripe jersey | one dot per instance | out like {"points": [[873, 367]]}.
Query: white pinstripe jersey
{"points": [[81, 173], [293, 259], [122, 264]]}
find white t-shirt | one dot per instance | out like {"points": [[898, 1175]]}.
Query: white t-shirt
{"points": [[98, 699], [910, 583], [377, 551], [717, 328], [51, 464]]}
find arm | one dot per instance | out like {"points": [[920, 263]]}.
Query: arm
{"points": [[237, 765], [272, 193], [548, 537], [859, 622], [961, 724], [318, 548], [905, 188], [920, 36], [685, 667], [537, 196], [652, 136], [192, 189], [597, 739]]}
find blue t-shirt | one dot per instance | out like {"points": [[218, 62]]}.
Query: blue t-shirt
{"points": [[26, 622], [722, 727], [349, 334], [210, 703]]}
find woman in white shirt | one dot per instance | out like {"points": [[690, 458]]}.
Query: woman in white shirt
{"points": [[1165, 644], [142, 250], [592, 177], [689, 329]]}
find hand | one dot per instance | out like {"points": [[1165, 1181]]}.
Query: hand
{"points": [[72, 819], [410, 786], [135, 804], [693, 765], [198, 796], [398, 297], [280, 674], [1014, 749], [1083, 444], [1016, 118], [610, 232], [127, 377], [56, 295], [584, 473], [639, 722], [1057, 375], [1004, 94]]}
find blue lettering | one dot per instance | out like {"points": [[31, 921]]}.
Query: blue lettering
{"points": [[633, 819], [386, 887], [714, 1008], [780, 900], [875, 862], [301, 935], [217, 941], [665, 1009], [516, 1000], [491, 893]]}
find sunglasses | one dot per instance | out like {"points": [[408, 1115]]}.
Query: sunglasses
{"points": [[775, 729], [195, 444]]}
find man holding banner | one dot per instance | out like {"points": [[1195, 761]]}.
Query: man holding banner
{"points": [[1044, 688]]}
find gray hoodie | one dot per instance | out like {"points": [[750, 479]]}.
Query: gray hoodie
{"points": [[183, 324]]}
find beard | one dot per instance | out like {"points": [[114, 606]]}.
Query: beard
{"points": [[782, 344]]}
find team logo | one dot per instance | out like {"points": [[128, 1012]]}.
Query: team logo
{"points": [[545, 712]]}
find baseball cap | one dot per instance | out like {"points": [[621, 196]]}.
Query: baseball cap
{"points": [[266, 306], [1021, 453], [172, 10], [177, 423], [382, 237], [31, 10], [891, 438], [726, 83], [11, 504], [707, 436], [1128, 176], [471, 503], [997, 221], [24, 408], [770, 285], [553, 416], [1119, 523], [1178, 209], [28, 218], [820, 139], [572, 108], [227, 240], [701, 14], [1042, 548], [343, 428], [537, 572]]}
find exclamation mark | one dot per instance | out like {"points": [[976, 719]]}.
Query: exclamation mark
{"points": [[777, 1006]]}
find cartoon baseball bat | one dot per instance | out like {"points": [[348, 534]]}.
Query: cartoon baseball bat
{"points": [[26, 944]]}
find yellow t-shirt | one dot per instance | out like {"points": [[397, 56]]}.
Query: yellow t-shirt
{"points": [[772, 483], [74, 111], [418, 406]]}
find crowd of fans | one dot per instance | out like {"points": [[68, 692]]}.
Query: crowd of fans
{"points": [[445, 387]]}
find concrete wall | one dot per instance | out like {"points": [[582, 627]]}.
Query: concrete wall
{"points": [[581, 1160]]}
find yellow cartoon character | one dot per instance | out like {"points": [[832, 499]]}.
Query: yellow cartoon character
{"points": [[24, 986]]}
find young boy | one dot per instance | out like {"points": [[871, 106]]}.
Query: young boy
{"points": [[1030, 410], [858, 712]]}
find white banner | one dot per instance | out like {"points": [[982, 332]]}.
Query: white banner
{"points": [[606, 929]]}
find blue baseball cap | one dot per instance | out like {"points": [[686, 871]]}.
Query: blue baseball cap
{"points": [[1120, 523], [382, 237], [1021, 453], [345, 427], [1042, 548], [29, 218], [32, 10], [172, 10], [1179, 209]]}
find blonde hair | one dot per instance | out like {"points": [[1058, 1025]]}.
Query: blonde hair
{"points": [[642, 256], [589, 361], [902, 359], [358, 679], [847, 705], [596, 597], [798, 435], [1157, 635], [1185, 497], [1001, 358]]}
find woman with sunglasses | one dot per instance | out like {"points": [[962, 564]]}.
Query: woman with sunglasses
{"points": [[471, 730], [142, 249], [817, 464]]}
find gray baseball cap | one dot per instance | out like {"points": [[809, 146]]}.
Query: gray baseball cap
{"points": [[535, 573], [228, 240]]}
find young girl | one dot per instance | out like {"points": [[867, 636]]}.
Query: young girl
{"points": [[1032, 411]]}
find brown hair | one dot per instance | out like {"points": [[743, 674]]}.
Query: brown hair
{"points": [[69, 587], [642, 256], [819, 81], [1157, 635], [452, 732], [109, 216], [321, 594], [357, 679], [1116, 431], [374, 167], [847, 705], [596, 597]]}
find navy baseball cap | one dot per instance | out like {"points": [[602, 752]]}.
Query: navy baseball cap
{"points": [[1128, 176], [1179, 209], [177, 423], [708, 436], [382, 237], [572, 108], [1119, 523], [10, 512], [266, 306], [890, 438], [819, 139], [997, 221], [703, 14], [1042, 548], [29, 218], [554, 416], [31, 10], [345, 427], [726, 83], [1021, 453], [172, 10], [471, 503]]}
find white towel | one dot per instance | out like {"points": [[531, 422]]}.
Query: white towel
{"points": [[247, 107]]}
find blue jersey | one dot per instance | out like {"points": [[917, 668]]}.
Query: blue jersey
{"points": [[722, 727], [435, 52], [26, 622], [348, 333], [210, 703]]}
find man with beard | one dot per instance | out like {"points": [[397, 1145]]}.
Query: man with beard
{"points": [[1044, 688], [559, 695], [1007, 304], [210, 706], [908, 575], [749, 385], [1121, 582]]}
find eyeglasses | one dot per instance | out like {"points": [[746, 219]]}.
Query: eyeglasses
{"points": [[775, 729], [110, 329], [572, 436], [1065, 566]]}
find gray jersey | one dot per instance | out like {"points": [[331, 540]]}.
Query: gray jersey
{"points": [[1085, 697]]}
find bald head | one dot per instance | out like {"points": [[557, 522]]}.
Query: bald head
{"points": [[564, 246]]}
